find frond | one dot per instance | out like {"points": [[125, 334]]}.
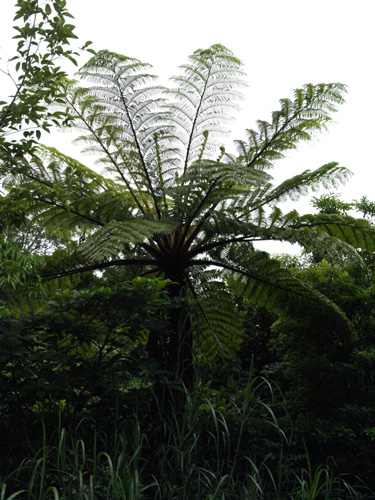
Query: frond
{"points": [[209, 183], [61, 192], [327, 176], [261, 280], [296, 121], [227, 175], [122, 114], [114, 238], [339, 236], [206, 91], [354, 233], [219, 330]]}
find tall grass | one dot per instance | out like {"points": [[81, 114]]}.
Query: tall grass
{"points": [[205, 453]]}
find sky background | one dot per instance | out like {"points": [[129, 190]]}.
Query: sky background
{"points": [[283, 45]]}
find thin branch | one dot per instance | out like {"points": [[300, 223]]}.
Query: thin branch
{"points": [[25, 74]]}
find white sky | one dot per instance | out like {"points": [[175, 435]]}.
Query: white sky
{"points": [[283, 44]]}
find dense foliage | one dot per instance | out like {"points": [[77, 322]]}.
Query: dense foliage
{"points": [[148, 350]]}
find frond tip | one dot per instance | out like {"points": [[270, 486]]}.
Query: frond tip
{"points": [[296, 121]]}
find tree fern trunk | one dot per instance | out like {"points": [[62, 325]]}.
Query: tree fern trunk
{"points": [[174, 354], [179, 356]]}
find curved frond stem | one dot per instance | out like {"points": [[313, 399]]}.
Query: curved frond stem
{"points": [[37, 179], [206, 262], [320, 223], [159, 167], [133, 177], [295, 182], [201, 247], [70, 210], [140, 152], [104, 265], [268, 144], [152, 248], [187, 242], [201, 100], [108, 153], [199, 226]]}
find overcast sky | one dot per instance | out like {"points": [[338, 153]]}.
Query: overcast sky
{"points": [[283, 44]]}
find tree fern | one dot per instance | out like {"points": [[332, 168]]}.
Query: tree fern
{"points": [[175, 203]]}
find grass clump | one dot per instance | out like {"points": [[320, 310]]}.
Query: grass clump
{"points": [[226, 447]]}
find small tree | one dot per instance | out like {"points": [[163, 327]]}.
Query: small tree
{"points": [[43, 37], [177, 204]]}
